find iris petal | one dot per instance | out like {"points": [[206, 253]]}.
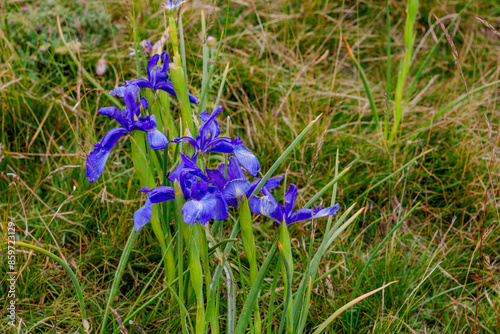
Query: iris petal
{"points": [[97, 158], [290, 197], [141, 83], [209, 206], [236, 189], [247, 159], [152, 62], [118, 91], [159, 194], [143, 215], [307, 214], [157, 140]]}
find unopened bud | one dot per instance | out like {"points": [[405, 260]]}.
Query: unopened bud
{"points": [[211, 41]]}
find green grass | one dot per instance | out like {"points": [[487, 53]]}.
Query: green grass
{"points": [[288, 65]]}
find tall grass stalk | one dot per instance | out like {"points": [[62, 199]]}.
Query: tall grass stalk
{"points": [[404, 66], [364, 79]]}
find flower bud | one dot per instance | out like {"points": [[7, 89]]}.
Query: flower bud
{"points": [[211, 41]]}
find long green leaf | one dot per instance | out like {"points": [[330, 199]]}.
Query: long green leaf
{"points": [[249, 305], [117, 279], [365, 83]]}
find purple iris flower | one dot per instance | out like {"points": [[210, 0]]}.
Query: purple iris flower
{"points": [[155, 195], [235, 185], [267, 206], [204, 201], [208, 140], [129, 120], [157, 78]]}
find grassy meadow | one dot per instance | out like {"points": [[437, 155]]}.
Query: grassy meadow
{"points": [[287, 64]]}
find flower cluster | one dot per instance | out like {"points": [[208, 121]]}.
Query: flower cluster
{"points": [[208, 192]]}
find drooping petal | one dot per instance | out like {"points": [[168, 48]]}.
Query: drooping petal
{"points": [[221, 145], [307, 214], [247, 159], [210, 206], [188, 139], [290, 197], [159, 194], [187, 166], [115, 113], [97, 158], [118, 91], [143, 215], [168, 86], [141, 83], [332, 210], [267, 206]]}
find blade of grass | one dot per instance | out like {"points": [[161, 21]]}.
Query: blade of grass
{"points": [[251, 300], [404, 66], [433, 50], [117, 279], [284, 261], [348, 305], [365, 83], [375, 251], [71, 275]]}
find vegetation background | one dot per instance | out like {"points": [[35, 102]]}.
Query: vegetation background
{"points": [[287, 66]]}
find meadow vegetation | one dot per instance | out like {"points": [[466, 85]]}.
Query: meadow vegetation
{"points": [[287, 64]]}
